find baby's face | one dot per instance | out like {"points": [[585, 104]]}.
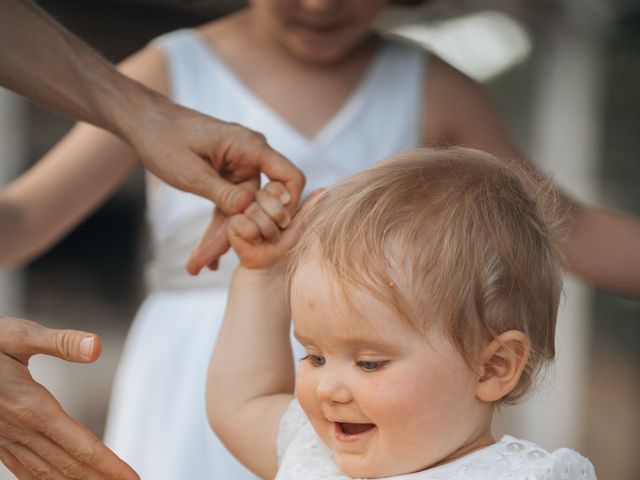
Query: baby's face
{"points": [[382, 398]]}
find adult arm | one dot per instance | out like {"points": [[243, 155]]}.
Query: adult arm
{"points": [[36, 210], [71, 180], [603, 246], [191, 151], [86, 166], [37, 437]]}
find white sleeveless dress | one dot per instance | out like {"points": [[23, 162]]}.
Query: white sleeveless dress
{"points": [[157, 421]]}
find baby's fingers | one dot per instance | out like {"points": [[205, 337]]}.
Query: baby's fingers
{"points": [[273, 199], [243, 230], [267, 227]]}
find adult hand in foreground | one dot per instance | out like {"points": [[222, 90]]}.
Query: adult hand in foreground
{"points": [[38, 440]]}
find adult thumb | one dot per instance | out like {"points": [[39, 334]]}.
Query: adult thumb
{"points": [[24, 338], [228, 197], [72, 345]]}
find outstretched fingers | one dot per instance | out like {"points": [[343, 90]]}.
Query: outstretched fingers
{"points": [[15, 466]]}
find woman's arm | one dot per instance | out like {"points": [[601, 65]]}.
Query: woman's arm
{"points": [[71, 180], [48, 64], [603, 246]]}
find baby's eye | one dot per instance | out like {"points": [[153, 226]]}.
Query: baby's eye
{"points": [[371, 365], [316, 360]]}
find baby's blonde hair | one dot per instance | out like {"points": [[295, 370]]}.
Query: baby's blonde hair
{"points": [[447, 237]]}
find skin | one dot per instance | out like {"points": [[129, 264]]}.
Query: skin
{"points": [[47, 202], [195, 149], [37, 438], [384, 399], [317, 32], [268, 37], [363, 365]]}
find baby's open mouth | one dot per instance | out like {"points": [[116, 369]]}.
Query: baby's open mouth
{"points": [[354, 428]]}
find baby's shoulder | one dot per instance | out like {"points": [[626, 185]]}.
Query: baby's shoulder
{"points": [[515, 459]]}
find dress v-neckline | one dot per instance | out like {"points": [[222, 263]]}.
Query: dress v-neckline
{"points": [[336, 122]]}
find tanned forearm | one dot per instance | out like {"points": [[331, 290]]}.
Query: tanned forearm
{"points": [[46, 63]]}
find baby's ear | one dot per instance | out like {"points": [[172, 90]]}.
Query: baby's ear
{"points": [[503, 361]]}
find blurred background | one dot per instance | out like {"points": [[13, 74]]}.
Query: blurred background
{"points": [[565, 74]]}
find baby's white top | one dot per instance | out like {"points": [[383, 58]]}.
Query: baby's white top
{"points": [[301, 454]]}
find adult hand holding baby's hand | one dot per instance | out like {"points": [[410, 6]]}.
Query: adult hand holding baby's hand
{"points": [[262, 220], [254, 234], [259, 235]]}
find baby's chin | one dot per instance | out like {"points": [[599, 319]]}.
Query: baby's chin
{"points": [[366, 468]]}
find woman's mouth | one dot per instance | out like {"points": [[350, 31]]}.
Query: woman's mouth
{"points": [[324, 28]]}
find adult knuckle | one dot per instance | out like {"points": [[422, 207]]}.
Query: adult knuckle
{"points": [[73, 468], [261, 139], [16, 332], [9, 434], [9, 460], [43, 471], [35, 408], [26, 414], [65, 342], [27, 419], [225, 198], [258, 137], [85, 452]]}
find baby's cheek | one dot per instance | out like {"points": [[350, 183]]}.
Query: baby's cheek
{"points": [[305, 388]]}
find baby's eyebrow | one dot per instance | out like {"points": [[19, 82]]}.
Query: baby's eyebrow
{"points": [[368, 342], [355, 342]]}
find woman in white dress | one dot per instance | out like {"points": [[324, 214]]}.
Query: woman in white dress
{"points": [[330, 95]]}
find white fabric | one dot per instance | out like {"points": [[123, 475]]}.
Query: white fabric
{"points": [[157, 419], [301, 454]]}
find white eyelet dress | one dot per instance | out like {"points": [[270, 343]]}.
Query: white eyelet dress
{"points": [[157, 419]]}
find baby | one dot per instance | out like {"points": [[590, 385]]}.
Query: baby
{"points": [[424, 292]]}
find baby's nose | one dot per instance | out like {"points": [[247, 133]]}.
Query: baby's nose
{"points": [[332, 388]]}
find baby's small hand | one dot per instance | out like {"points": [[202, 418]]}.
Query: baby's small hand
{"points": [[259, 234]]}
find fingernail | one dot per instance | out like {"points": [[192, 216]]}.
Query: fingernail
{"points": [[285, 198], [86, 346]]}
